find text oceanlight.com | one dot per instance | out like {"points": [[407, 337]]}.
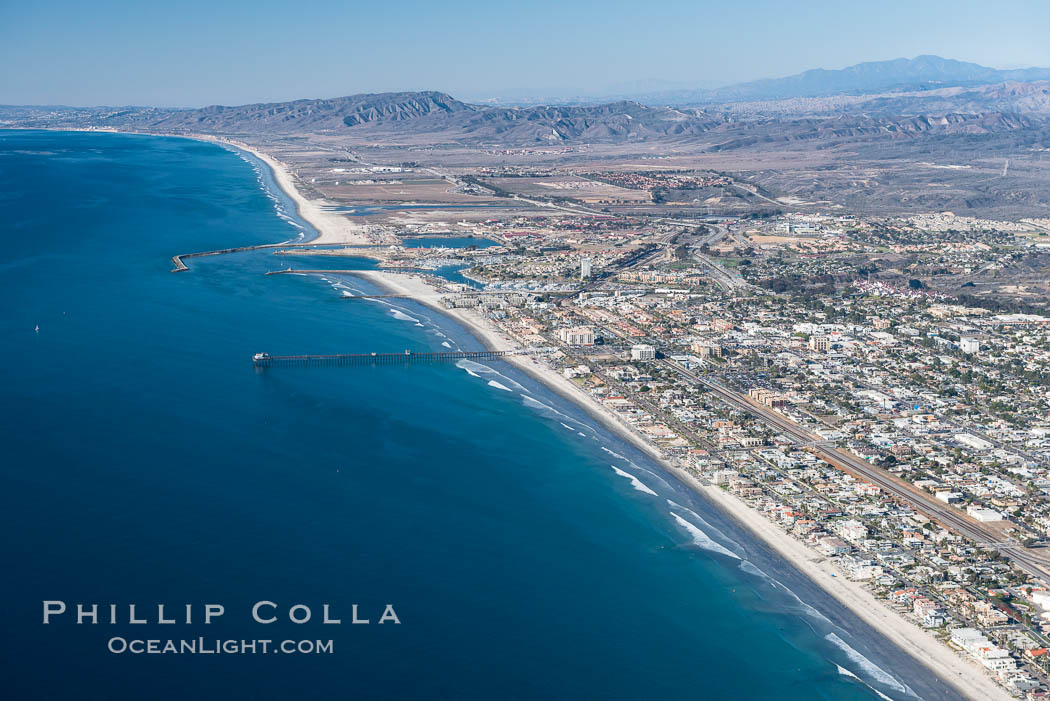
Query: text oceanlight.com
{"points": [[202, 646]]}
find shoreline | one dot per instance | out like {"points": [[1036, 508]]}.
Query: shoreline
{"points": [[962, 674], [332, 228]]}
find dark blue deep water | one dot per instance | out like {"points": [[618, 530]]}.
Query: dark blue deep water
{"points": [[145, 462]]}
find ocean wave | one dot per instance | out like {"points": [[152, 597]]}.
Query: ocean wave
{"points": [[446, 344], [875, 672], [752, 568], [635, 482], [646, 470], [465, 365], [708, 528], [537, 404], [806, 608], [846, 673], [497, 385], [401, 316], [701, 539], [486, 371]]}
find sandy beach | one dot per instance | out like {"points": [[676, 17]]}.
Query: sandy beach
{"points": [[333, 227], [965, 675]]}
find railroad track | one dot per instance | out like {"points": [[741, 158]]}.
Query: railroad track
{"points": [[945, 515]]}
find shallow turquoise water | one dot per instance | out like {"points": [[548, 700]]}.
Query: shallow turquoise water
{"points": [[147, 462]]}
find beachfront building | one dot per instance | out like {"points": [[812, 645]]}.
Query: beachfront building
{"points": [[975, 644], [577, 335]]}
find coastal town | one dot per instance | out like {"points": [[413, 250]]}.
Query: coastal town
{"points": [[875, 388], [665, 351]]}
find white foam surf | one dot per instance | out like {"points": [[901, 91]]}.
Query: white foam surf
{"points": [[497, 385], [876, 673], [703, 540], [752, 568], [708, 528], [635, 482], [401, 316], [486, 371], [543, 408], [806, 608], [846, 673], [463, 365]]}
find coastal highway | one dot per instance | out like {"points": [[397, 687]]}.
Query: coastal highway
{"points": [[1035, 564], [719, 275]]}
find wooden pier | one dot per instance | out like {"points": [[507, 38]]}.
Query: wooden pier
{"points": [[265, 360]]}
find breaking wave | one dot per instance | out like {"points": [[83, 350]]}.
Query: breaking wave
{"points": [[484, 370], [846, 673], [635, 482], [708, 528], [465, 365], [806, 607], [874, 671], [702, 540], [544, 408], [752, 568]]}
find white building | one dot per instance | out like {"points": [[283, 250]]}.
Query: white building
{"points": [[982, 649], [969, 345], [984, 514], [971, 441], [820, 343], [643, 352], [577, 335], [585, 267]]}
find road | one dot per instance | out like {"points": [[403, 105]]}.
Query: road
{"points": [[943, 514]]}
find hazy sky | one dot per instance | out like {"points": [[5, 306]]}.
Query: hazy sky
{"points": [[194, 52]]}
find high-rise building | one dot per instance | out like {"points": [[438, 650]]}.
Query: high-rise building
{"points": [[585, 267], [577, 335]]}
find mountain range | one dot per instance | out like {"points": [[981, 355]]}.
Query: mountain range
{"points": [[905, 96], [921, 73]]}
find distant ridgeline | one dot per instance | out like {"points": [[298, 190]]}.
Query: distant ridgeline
{"points": [[927, 94]]}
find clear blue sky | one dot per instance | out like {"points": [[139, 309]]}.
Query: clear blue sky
{"points": [[192, 53]]}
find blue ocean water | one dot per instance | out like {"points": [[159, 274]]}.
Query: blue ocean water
{"points": [[527, 553]]}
